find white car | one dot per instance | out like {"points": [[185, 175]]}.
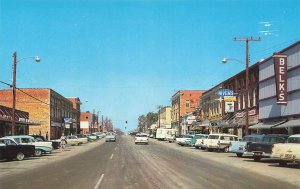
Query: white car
{"points": [[73, 140], [141, 138], [219, 141], [287, 152], [110, 137]]}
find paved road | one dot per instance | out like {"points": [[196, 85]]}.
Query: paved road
{"points": [[125, 165]]}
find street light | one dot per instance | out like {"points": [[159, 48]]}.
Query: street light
{"points": [[224, 61], [15, 61]]}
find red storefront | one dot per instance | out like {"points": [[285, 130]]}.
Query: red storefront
{"points": [[21, 119]]}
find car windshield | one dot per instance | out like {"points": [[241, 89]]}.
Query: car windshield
{"points": [[293, 140]]}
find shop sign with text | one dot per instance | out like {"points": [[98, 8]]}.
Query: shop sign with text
{"points": [[280, 68]]}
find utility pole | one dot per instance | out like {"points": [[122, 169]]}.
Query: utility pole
{"points": [[13, 123], [247, 40]]}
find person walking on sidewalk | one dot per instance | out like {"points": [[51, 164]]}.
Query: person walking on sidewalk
{"points": [[63, 142]]}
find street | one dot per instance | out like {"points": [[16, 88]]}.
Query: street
{"points": [[126, 165]]}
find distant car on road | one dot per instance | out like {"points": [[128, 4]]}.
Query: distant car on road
{"points": [[141, 138], [10, 150], [110, 137]]}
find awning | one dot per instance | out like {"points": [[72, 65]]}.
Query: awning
{"points": [[267, 125], [291, 123], [204, 123]]}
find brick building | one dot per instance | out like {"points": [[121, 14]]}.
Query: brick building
{"points": [[76, 114], [44, 105], [183, 102]]}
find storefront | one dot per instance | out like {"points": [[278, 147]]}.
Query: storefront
{"points": [[22, 122]]}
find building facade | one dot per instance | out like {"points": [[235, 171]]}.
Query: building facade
{"points": [[183, 101], [164, 117], [75, 127], [44, 105], [22, 122], [274, 85]]}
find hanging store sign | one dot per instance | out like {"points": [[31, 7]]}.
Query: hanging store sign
{"points": [[229, 107], [280, 68], [229, 98], [225, 92]]}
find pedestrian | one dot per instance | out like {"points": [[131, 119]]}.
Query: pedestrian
{"points": [[47, 135], [63, 142]]}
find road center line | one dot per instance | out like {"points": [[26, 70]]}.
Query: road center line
{"points": [[99, 182], [112, 155]]}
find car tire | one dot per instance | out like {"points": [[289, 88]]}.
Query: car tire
{"points": [[38, 153], [239, 154], [210, 150], [20, 156], [226, 149], [256, 159], [197, 147]]}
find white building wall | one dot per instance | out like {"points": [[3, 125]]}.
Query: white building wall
{"points": [[268, 108]]}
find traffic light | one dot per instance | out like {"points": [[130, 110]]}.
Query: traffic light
{"points": [[126, 122]]}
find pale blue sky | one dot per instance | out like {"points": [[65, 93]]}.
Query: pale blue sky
{"points": [[126, 57]]}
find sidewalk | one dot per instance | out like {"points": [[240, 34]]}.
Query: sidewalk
{"points": [[13, 167], [266, 167]]}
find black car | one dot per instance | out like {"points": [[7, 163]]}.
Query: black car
{"points": [[11, 150], [263, 149], [39, 138]]}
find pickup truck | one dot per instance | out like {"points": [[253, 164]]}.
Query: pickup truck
{"points": [[239, 147], [287, 152], [9, 150], [219, 141], [263, 149]]}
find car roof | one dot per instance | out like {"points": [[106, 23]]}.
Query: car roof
{"points": [[19, 136]]}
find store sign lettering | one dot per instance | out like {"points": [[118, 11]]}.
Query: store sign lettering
{"points": [[280, 66]]}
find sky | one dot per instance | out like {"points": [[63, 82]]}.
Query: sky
{"points": [[123, 58]]}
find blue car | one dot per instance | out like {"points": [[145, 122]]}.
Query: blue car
{"points": [[239, 147]]}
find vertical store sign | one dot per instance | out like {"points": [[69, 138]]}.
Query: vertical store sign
{"points": [[280, 66]]}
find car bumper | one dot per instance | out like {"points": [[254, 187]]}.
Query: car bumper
{"points": [[141, 141], [110, 139], [261, 154]]}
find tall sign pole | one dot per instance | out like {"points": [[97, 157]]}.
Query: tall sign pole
{"points": [[247, 79]]}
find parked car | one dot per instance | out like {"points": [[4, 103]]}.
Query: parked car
{"points": [[40, 147], [195, 138], [201, 143], [10, 150], [83, 136], [287, 152], [220, 141], [99, 135], [39, 138], [184, 140], [239, 147], [73, 140], [141, 138], [91, 137], [110, 137], [263, 149]]}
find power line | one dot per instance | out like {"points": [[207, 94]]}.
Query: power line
{"points": [[33, 97]]}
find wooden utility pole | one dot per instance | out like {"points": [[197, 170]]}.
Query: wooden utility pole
{"points": [[13, 122], [247, 78]]}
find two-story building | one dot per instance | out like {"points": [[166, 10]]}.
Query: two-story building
{"points": [[45, 106]]}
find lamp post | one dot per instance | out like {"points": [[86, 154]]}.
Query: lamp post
{"points": [[224, 61], [14, 87]]}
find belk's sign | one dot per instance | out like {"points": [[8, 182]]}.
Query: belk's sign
{"points": [[280, 66]]}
